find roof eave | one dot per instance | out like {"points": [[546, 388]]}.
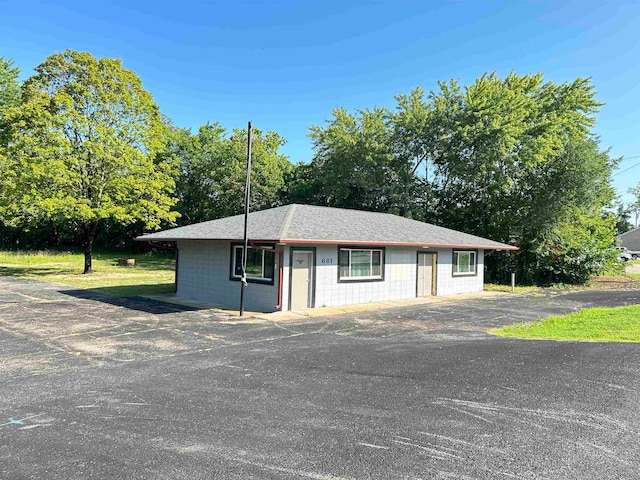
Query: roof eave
{"points": [[295, 241], [145, 238], [398, 244]]}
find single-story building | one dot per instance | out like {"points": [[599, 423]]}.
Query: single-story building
{"points": [[304, 256], [631, 241]]}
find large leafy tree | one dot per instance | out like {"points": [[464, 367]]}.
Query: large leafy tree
{"points": [[511, 159], [83, 150], [564, 228], [355, 165], [514, 160], [212, 171]]}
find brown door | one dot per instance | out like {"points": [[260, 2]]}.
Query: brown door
{"points": [[301, 280], [426, 274]]}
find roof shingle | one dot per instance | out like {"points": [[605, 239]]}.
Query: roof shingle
{"points": [[297, 223], [630, 240]]}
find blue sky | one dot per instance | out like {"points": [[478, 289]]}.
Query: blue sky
{"points": [[286, 64]]}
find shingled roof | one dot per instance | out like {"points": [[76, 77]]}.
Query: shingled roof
{"points": [[630, 240], [309, 224]]}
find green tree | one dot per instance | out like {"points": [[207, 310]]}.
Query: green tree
{"points": [[486, 142], [87, 134], [212, 171], [623, 217], [576, 249], [415, 132], [571, 234], [9, 84], [635, 205], [355, 166], [509, 159], [305, 184], [512, 159], [9, 95]]}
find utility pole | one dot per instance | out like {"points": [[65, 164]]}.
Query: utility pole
{"points": [[247, 194]]}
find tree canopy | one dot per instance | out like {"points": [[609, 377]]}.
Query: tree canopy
{"points": [[510, 159], [9, 95], [212, 171], [83, 146], [83, 149]]}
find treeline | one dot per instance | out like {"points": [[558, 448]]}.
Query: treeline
{"points": [[87, 158]]}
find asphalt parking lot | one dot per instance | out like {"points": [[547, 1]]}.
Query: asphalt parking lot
{"points": [[94, 386]]}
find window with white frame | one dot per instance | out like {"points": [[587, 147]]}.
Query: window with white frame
{"points": [[464, 262], [260, 264], [360, 264]]}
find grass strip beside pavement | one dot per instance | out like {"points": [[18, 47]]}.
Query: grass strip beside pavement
{"points": [[153, 273], [619, 324], [495, 287]]}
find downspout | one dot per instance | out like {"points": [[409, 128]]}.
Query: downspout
{"points": [[175, 279], [279, 305]]}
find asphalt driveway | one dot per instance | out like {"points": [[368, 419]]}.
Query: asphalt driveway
{"points": [[94, 386]]}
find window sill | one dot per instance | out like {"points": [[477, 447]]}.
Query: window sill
{"points": [[261, 281], [360, 279]]}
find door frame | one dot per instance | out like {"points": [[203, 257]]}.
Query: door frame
{"points": [[434, 271], [312, 251]]}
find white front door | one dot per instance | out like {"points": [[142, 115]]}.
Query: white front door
{"points": [[425, 274], [301, 280]]}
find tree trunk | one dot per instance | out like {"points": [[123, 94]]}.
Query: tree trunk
{"points": [[88, 267], [89, 233]]}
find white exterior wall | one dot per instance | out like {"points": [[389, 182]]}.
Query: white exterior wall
{"points": [[399, 278], [204, 268], [400, 272], [203, 274], [450, 285]]}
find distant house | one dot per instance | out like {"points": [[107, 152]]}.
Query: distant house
{"points": [[304, 256], [630, 240]]}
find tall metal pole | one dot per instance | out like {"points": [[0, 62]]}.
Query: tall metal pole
{"points": [[247, 196]]}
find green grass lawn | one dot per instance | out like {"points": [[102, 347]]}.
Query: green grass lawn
{"points": [[494, 287], [621, 324], [153, 272]]}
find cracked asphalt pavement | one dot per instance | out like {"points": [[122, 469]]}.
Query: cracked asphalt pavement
{"points": [[96, 386]]}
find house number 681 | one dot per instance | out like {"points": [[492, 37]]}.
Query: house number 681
{"points": [[326, 261]]}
